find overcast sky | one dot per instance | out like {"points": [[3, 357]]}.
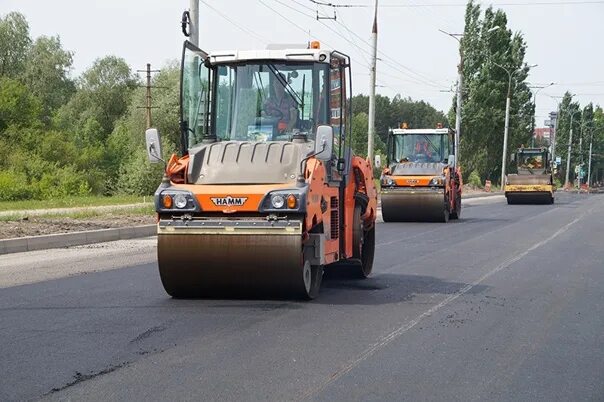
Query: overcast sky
{"points": [[565, 38]]}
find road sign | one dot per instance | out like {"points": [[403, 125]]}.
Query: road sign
{"points": [[558, 160]]}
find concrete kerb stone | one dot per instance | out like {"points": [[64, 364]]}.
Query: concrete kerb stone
{"points": [[59, 240]]}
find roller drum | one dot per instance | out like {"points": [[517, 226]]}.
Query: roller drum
{"points": [[231, 265], [413, 206]]}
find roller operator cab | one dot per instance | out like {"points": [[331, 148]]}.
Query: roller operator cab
{"points": [[533, 182], [265, 192], [421, 181]]}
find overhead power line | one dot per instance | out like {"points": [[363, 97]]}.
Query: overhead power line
{"points": [[538, 3]]}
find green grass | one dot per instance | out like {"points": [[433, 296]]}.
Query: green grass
{"points": [[72, 202], [145, 210]]}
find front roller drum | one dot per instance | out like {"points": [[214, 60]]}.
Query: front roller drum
{"points": [[535, 197], [420, 206], [235, 265]]}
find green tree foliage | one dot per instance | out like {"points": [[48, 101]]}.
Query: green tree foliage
{"points": [[46, 73], [486, 88], [389, 113], [14, 43]]}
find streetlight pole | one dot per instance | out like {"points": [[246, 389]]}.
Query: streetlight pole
{"points": [[535, 107], [507, 120], [570, 141], [591, 139], [459, 91]]}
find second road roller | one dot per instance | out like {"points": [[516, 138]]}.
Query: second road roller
{"points": [[422, 179], [265, 191]]}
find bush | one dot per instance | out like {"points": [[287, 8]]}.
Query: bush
{"points": [[474, 180], [13, 187]]}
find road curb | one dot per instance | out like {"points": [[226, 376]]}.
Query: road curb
{"points": [[31, 243]]}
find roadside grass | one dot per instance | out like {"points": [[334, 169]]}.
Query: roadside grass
{"points": [[72, 202], [88, 214]]}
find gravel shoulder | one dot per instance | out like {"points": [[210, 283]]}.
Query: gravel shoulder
{"points": [[37, 226]]}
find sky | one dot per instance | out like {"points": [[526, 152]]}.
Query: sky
{"points": [[564, 37]]}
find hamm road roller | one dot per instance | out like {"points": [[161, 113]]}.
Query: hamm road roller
{"points": [[533, 184], [265, 191], [421, 180]]}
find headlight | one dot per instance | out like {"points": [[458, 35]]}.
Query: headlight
{"points": [[290, 200], [437, 181], [180, 201], [277, 201], [176, 200], [387, 181]]}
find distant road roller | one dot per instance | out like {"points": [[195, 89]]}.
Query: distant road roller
{"points": [[266, 191], [533, 184], [422, 180]]}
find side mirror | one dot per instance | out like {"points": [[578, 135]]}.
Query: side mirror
{"points": [[324, 143], [451, 160], [378, 161], [153, 145]]}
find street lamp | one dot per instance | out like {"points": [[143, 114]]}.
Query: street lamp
{"points": [[460, 88], [535, 107], [570, 141], [507, 119]]}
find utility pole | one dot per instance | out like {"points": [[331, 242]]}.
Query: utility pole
{"points": [[194, 25], [371, 119], [148, 106]]}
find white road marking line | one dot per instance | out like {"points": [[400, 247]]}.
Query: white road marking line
{"points": [[385, 340]]}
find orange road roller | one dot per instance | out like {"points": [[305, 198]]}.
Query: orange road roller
{"points": [[422, 179], [265, 191]]}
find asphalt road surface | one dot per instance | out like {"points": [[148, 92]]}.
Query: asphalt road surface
{"points": [[507, 304]]}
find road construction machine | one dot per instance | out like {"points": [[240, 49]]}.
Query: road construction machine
{"points": [[533, 184], [422, 179], [265, 191]]}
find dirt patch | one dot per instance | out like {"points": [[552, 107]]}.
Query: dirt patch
{"points": [[36, 226]]}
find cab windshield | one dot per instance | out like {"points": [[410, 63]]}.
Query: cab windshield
{"points": [[420, 148], [269, 101], [528, 162]]}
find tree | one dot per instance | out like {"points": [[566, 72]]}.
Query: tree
{"points": [[104, 93], [485, 90], [46, 73], [18, 107], [568, 109], [14, 42]]}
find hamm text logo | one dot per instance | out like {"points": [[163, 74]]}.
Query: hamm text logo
{"points": [[229, 201]]}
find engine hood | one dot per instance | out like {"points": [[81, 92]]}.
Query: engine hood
{"points": [[417, 169], [244, 162]]}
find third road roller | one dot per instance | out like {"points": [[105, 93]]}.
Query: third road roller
{"points": [[265, 191], [422, 179], [533, 184]]}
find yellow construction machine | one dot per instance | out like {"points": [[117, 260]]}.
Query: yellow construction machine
{"points": [[422, 180], [533, 184], [265, 192]]}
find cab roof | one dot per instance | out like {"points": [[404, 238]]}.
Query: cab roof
{"points": [[422, 131], [285, 55]]}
